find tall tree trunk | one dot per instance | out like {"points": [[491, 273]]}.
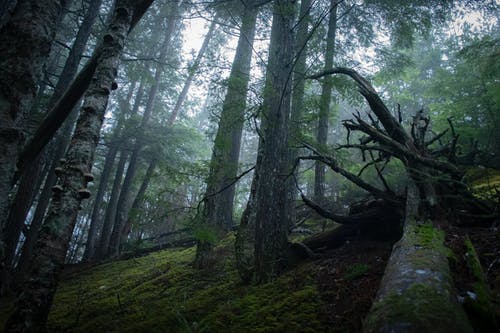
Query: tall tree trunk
{"points": [[57, 115], [95, 220], [110, 215], [219, 195], [26, 193], [33, 305], [192, 73], [324, 104], [136, 205], [16, 218], [297, 104], [271, 229], [61, 144], [125, 192], [25, 42], [76, 52], [244, 244]]}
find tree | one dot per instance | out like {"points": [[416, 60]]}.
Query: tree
{"points": [[26, 191], [296, 113], [123, 204], [25, 42], [325, 99], [417, 272], [33, 304], [271, 227], [219, 195], [115, 143]]}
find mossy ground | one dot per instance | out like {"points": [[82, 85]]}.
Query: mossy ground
{"points": [[162, 292], [483, 182]]}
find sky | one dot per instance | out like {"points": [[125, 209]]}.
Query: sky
{"points": [[196, 28]]}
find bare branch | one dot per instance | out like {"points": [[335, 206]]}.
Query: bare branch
{"points": [[391, 197], [342, 219]]}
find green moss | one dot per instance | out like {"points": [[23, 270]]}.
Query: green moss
{"points": [[484, 182], [422, 300], [356, 271], [163, 292], [426, 236], [425, 308]]}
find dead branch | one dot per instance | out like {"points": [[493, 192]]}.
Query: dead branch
{"points": [[391, 197], [393, 128], [342, 219]]}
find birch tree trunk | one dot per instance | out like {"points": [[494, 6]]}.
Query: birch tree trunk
{"points": [[33, 305], [95, 220]]}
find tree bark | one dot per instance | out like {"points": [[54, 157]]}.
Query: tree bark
{"points": [[218, 208], [139, 198], [33, 305], [26, 193], [324, 104], [297, 104], [95, 220], [61, 143], [271, 229], [57, 115], [25, 42], [6, 9], [16, 218]]}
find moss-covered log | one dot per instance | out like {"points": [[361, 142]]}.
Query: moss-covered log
{"points": [[416, 293]]}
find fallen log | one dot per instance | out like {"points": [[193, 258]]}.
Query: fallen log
{"points": [[380, 221], [185, 242], [416, 293]]}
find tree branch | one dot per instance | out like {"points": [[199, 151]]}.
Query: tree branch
{"points": [[391, 197], [393, 128], [342, 219]]}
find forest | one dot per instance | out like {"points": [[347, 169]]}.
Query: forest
{"points": [[250, 166]]}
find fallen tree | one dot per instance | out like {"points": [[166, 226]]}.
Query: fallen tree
{"points": [[379, 221], [417, 292]]}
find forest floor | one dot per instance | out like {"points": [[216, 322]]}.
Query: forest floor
{"points": [[162, 292]]}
